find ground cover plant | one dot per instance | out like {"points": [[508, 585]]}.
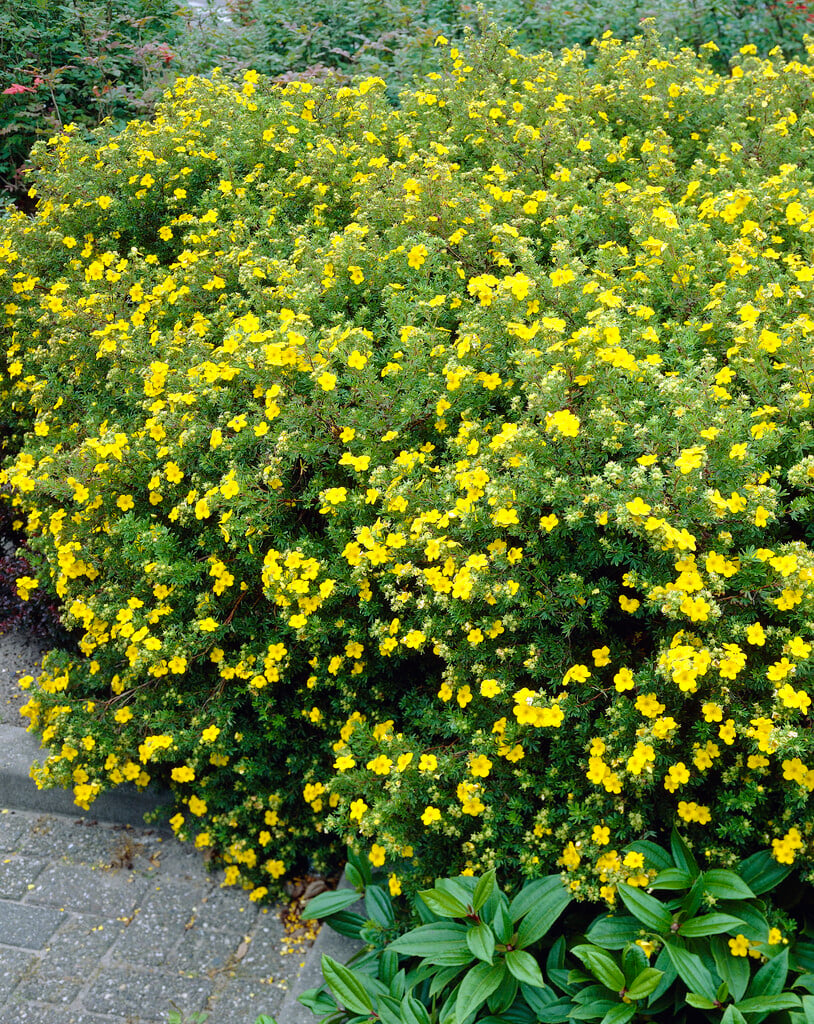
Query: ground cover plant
{"points": [[470, 952], [436, 478]]}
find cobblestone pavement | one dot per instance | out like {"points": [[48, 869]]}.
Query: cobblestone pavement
{"points": [[106, 924]]}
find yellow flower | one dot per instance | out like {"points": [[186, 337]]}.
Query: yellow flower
{"points": [[376, 855], [327, 381], [417, 255], [430, 815], [427, 763], [739, 946], [357, 809], [601, 835], [197, 806]]}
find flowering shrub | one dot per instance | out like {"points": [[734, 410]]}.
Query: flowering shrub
{"points": [[439, 475]]}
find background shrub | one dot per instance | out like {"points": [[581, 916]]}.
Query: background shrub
{"points": [[439, 475]]}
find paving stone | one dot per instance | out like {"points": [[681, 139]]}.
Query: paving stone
{"points": [[151, 994], [56, 981], [85, 889], [27, 926], [12, 826], [17, 873], [32, 1013], [206, 950], [85, 935], [54, 837], [243, 1001], [14, 963], [160, 922], [226, 908]]}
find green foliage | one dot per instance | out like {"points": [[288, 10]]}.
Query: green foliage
{"points": [[481, 956], [78, 62], [437, 478]]}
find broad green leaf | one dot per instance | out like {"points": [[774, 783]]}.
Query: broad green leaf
{"points": [[805, 981], [682, 855], [808, 1009], [802, 956], [634, 962], [532, 893], [388, 1010], [726, 885], [388, 966], [769, 1004], [504, 995], [362, 865], [344, 984], [646, 982], [525, 968], [761, 872], [665, 965], [700, 1002], [538, 998], [481, 941], [327, 903], [539, 918], [645, 908], [734, 970], [413, 1012], [483, 890], [379, 907], [354, 877], [755, 926], [770, 980], [692, 971], [655, 856], [555, 1013], [443, 904], [502, 924], [672, 878], [593, 1010], [429, 939], [732, 1016], [709, 924], [442, 978], [347, 923], [602, 966], [614, 932], [620, 1014], [476, 987], [556, 955]]}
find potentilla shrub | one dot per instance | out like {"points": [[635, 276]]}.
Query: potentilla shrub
{"points": [[437, 478]]}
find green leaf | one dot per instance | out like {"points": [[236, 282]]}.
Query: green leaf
{"points": [[734, 970], [531, 892], [504, 996], [726, 885], [502, 923], [645, 908], [327, 903], [525, 968], [476, 987], [646, 982], [362, 865], [481, 941], [483, 890], [388, 1010], [620, 1014], [540, 917], [755, 926], [634, 961], [602, 966], [769, 1004], [443, 904], [655, 856], [808, 1009], [732, 1016], [700, 1002], [388, 966], [344, 984], [347, 923], [692, 971], [594, 1009], [761, 872], [265, 1019], [613, 932], [555, 1013], [379, 906], [709, 924], [682, 855], [430, 939], [354, 877], [770, 980], [413, 1012], [672, 878]]}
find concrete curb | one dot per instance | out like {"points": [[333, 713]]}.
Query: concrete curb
{"points": [[328, 942], [19, 749], [126, 805]]}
